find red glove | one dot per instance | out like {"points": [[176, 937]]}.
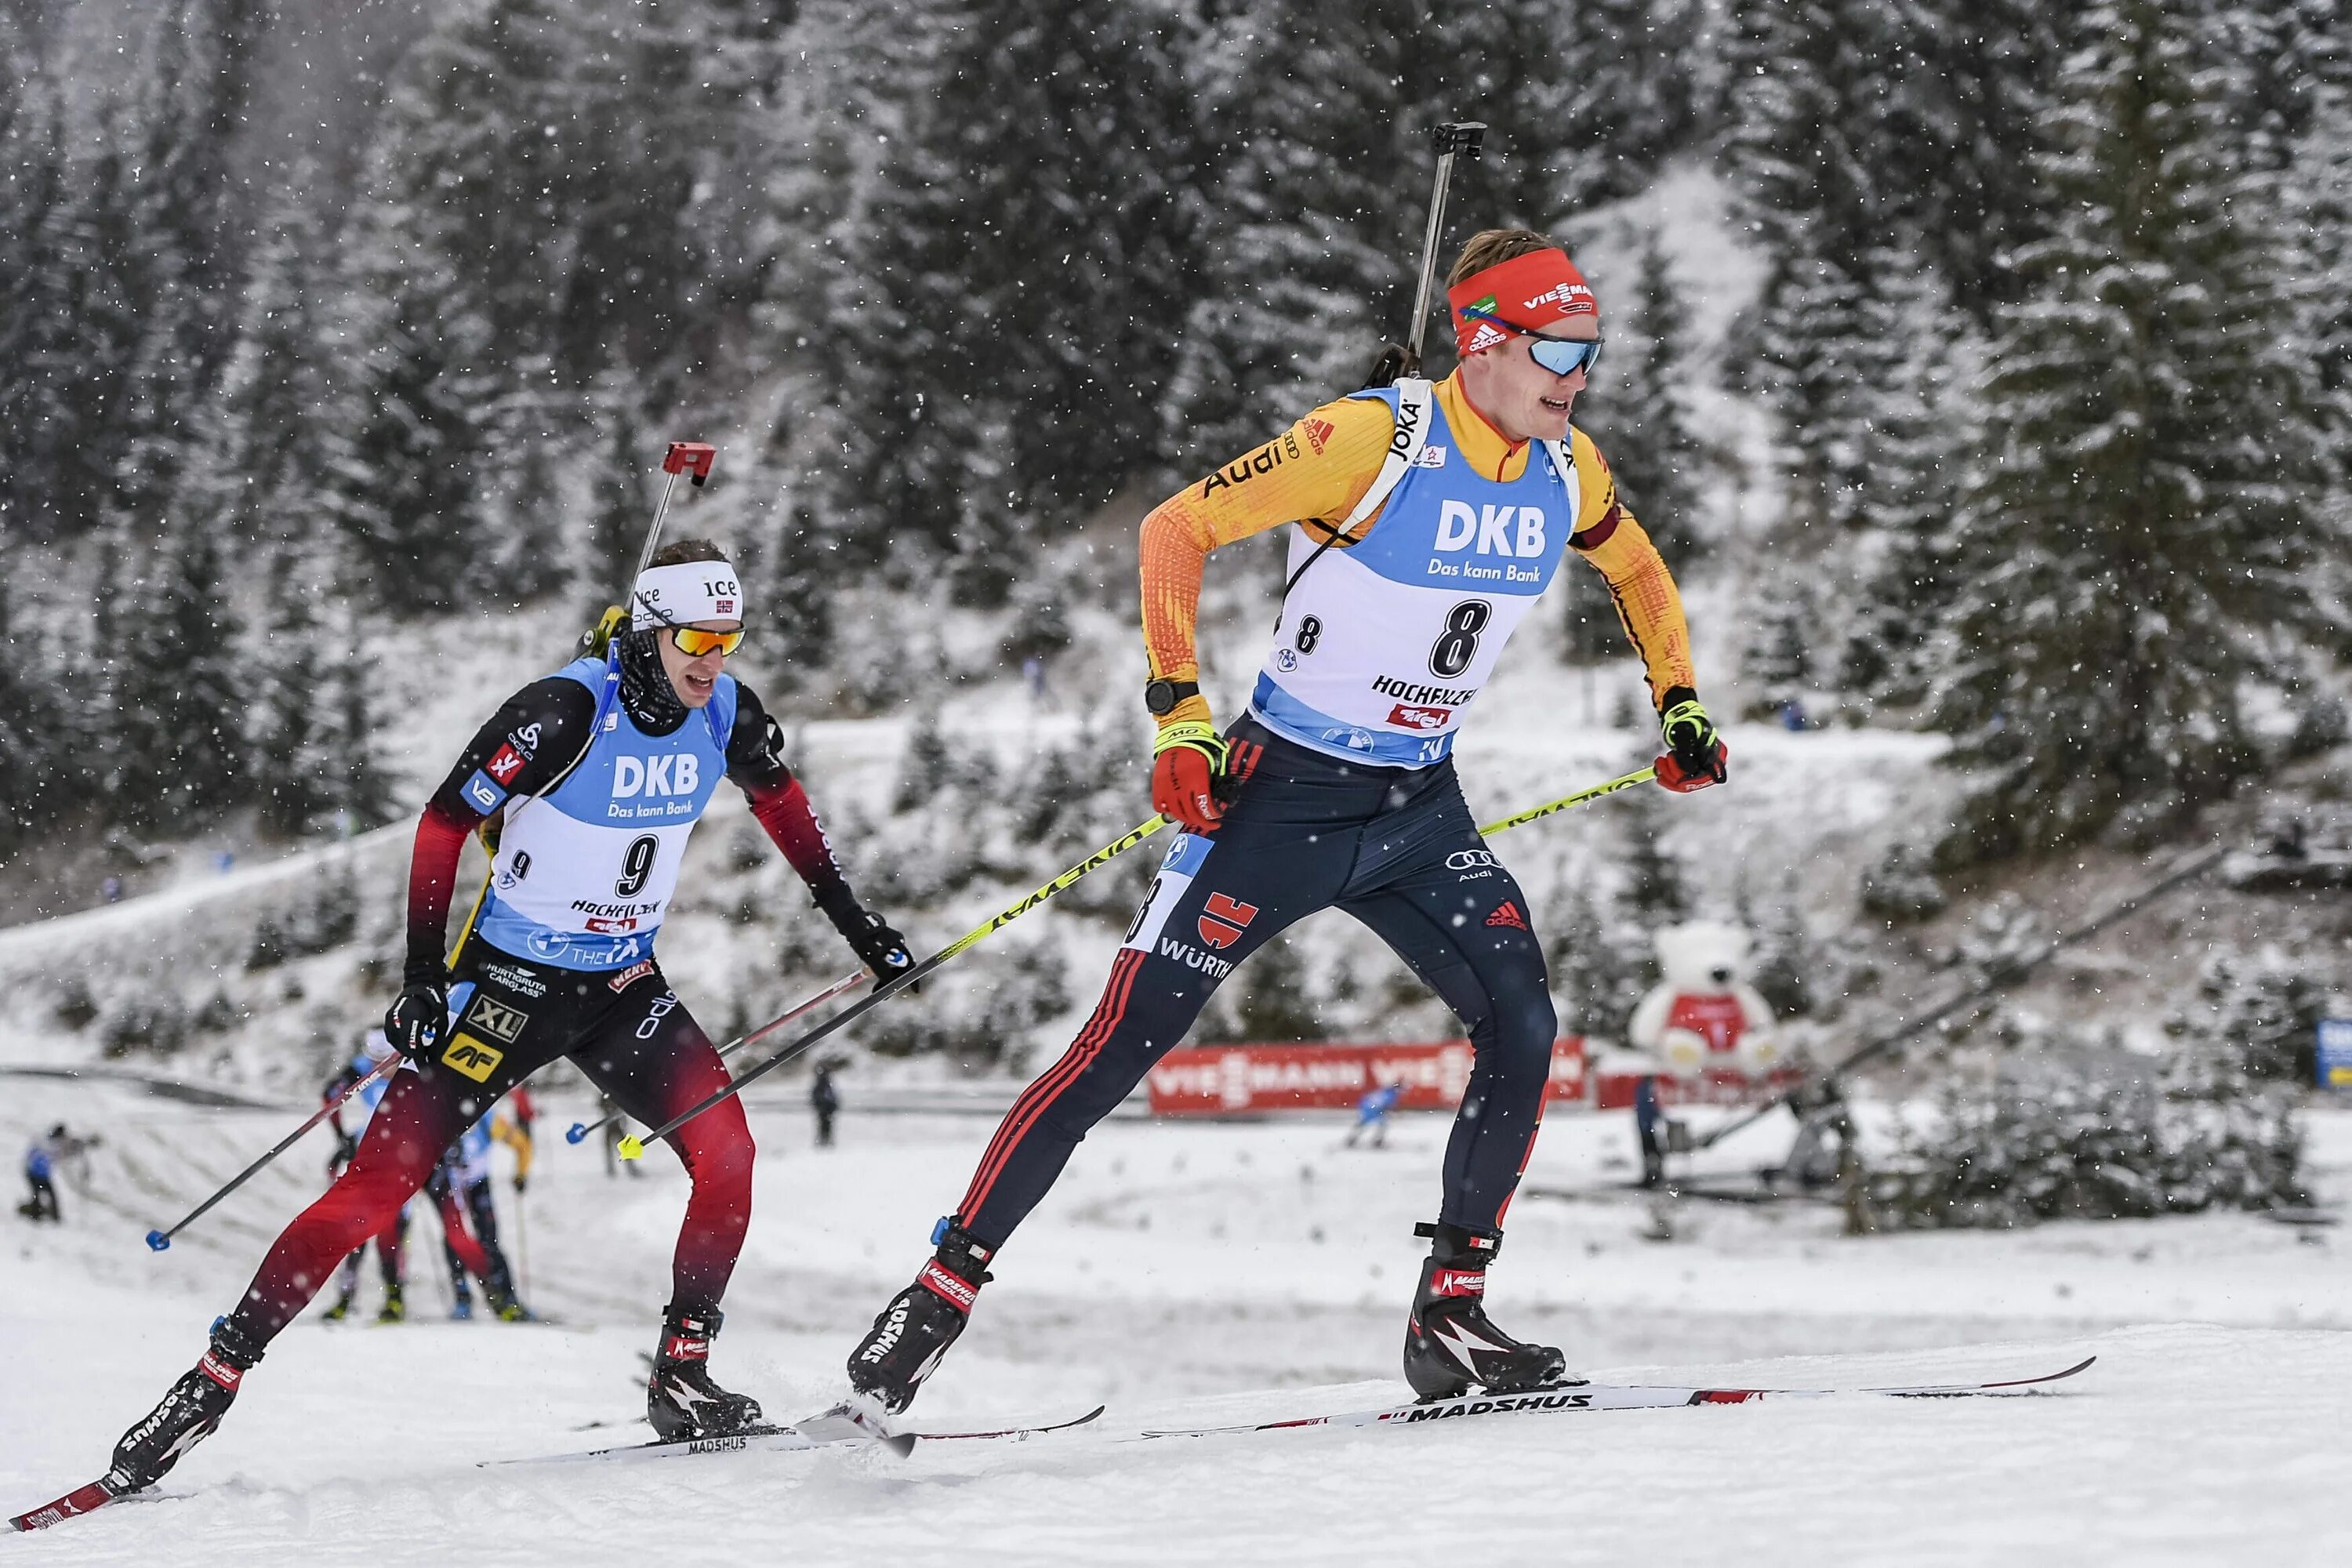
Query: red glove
{"points": [[1188, 761], [1694, 756], [1675, 777]]}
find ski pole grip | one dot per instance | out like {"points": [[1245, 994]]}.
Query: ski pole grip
{"points": [[692, 457], [1467, 137]]}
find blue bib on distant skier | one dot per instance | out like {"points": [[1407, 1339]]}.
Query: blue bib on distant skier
{"points": [[585, 872]]}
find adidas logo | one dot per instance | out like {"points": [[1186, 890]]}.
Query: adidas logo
{"points": [[1506, 914]]}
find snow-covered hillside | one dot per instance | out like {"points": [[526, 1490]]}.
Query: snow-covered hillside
{"points": [[1190, 1274]]}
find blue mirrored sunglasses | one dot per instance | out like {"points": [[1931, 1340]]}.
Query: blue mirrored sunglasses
{"points": [[1561, 356]]}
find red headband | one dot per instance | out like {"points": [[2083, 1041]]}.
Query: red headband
{"points": [[1532, 290]]}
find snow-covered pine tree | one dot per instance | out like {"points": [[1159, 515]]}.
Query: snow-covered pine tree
{"points": [[1889, 587], [29, 796], [357, 794], [266, 465], [2138, 521], [618, 510], [1779, 664], [1032, 253], [1635, 91], [1323, 198], [82, 326], [1640, 415], [1655, 893], [196, 80], [1597, 964], [1808, 162], [1959, 122], [176, 697], [413, 443], [527, 554], [291, 769]]}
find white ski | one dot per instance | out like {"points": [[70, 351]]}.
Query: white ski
{"points": [[1615, 1396]]}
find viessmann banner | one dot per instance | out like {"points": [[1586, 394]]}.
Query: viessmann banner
{"points": [[1228, 1080]]}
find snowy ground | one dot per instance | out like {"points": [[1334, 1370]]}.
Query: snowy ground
{"points": [[1191, 1273]]}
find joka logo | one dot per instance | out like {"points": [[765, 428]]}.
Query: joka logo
{"points": [[473, 1058], [1220, 926], [504, 765], [1420, 718], [496, 1019], [1408, 427], [678, 775], [1506, 914]]}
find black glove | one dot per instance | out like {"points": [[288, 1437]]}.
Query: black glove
{"points": [[877, 944], [1694, 756], [347, 1149], [413, 1023]]}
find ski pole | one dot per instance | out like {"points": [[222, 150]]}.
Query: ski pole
{"points": [[1467, 138], [157, 1240], [579, 1131], [1640, 775], [1997, 978], [632, 1146]]}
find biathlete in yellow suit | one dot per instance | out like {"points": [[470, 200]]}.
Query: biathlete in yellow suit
{"points": [[1434, 518]]}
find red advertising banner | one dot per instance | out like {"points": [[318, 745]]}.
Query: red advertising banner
{"points": [[1615, 1073], [1242, 1080]]}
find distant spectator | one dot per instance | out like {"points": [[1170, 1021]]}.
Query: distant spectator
{"points": [[111, 889], [1372, 1113], [826, 1101], [43, 1159]]}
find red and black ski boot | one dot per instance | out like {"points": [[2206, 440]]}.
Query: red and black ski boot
{"points": [[189, 1414], [1450, 1344], [681, 1401], [921, 1321]]}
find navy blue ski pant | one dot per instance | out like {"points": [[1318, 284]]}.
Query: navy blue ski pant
{"points": [[1394, 847]]}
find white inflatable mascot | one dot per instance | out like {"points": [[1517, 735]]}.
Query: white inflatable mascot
{"points": [[1703, 1015]]}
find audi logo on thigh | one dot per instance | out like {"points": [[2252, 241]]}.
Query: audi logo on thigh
{"points": [[1469, 859]]}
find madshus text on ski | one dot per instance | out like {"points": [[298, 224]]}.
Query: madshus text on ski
{"points": [[1428, 518]]}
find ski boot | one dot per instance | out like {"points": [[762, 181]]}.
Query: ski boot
{"points": [[189, 1414], [340, 1310], [680, 1399], [921, 1321], [394, 1309], [1450, 1343], [461, 1310], [513, 1311]]}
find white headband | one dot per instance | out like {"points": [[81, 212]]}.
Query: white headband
{"points": [[684, 593]]}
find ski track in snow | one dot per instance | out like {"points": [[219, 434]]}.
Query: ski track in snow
{"points": [[1193, 1274]]}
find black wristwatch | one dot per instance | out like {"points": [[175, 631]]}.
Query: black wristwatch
{"points": [[1161, 695]]}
